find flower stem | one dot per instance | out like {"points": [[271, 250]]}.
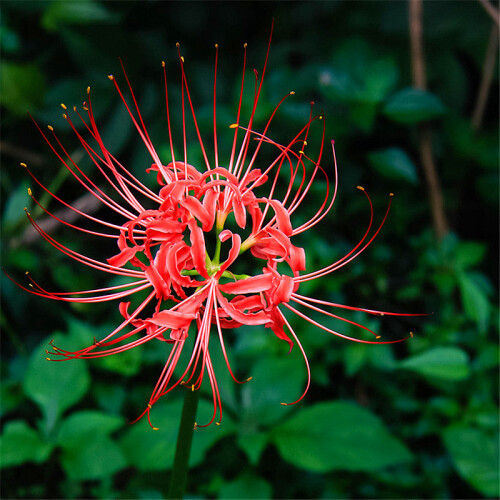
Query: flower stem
{"points": [[183, 448]]}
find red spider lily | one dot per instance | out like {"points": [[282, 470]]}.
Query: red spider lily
{"points": [[162, 241]]}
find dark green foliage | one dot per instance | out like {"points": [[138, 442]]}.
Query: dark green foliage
{"points": [[414, 420]]}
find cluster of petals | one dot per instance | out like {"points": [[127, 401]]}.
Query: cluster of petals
{"points": [[177, 250]]}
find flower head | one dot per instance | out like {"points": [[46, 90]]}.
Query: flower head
{"points": [[180, 243]]}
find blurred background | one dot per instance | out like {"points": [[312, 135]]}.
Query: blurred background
{"points": [[414, 420]]}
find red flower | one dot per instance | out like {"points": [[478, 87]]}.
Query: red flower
{"points": [[162, 244]]}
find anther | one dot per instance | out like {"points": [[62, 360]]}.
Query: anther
{"points": [[305, 143], [233, 125], [65, 116], [23, 165], [182, 58], [48, 359], [51, 128], [284, 404], [63, 106], [301, 152], [156, 429], [195, 426], [411, 334], [74, 109], [245, 45], [111, 77], [177, 44], [29, 192], [320, 117], [163, 64], [217, 423], [216, 45], [382, 314], [378, 336], [249, 378], [88, 90], [150, 406], [292, 92], [391, 194], [361, 188]]}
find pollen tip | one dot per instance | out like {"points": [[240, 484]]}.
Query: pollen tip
{"points": [[233, 125], [411, 334], [292, 92], [48, 359], [301, 152], [51, 128], [74, 109], [182, 58], [305, 143], [30, 193], [192, 388], [284, 404], [378, 336], [216, 45], [249, 378], [65, 116], [156, 429], [63, 106], [177, 44], [150, 406], [195, 426], [23, 165], [217, 423], [391, 194], [163, 64], [88, 89], [361, 188], [382, 314], [320, 117], [29, 284], [26, 272]]}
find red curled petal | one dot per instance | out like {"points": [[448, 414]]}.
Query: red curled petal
{"points": [[198, 211], [282, 217], [172, 319], [259, 318], [198, 248], [254, 284]]}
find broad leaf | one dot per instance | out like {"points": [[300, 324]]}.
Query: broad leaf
{"points": [[413, 105]]}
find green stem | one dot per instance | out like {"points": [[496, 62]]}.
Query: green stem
{"points": [[183, 448]]}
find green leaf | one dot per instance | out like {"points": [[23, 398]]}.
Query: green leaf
{"points": [[88, 451], [274, 380], [14, 207], [75, 12], [446, 363], [394, 163], [23, 87], [474, 300], [469, 253], [253, 445], [476, 458], [20, 444], [355, 356], [338, 436], [412, 106], [98, 458], [148, 449], [247, 485], [55, 386]]}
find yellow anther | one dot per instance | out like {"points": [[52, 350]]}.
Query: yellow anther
{"points": [[377, 337], [156, 429], [249, 378], [411, 334], [88, 89], [63, 106], [85, 108], [284, 404], [48, 359], [292, 92], [177, 44], [51, 128], [192, 388], [182, 58], [233, 125], [391, 194], [29, 284], [361, 188], [301, 152], [26, 272], [111, 77], [217, 423], [163, 64], [320, 117], [46, 351], [29, 192], [382, 314], [150, 406], [65, 116], [216, 45], [74, 109], [245, 45], [23, 165], [195, 426]]}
